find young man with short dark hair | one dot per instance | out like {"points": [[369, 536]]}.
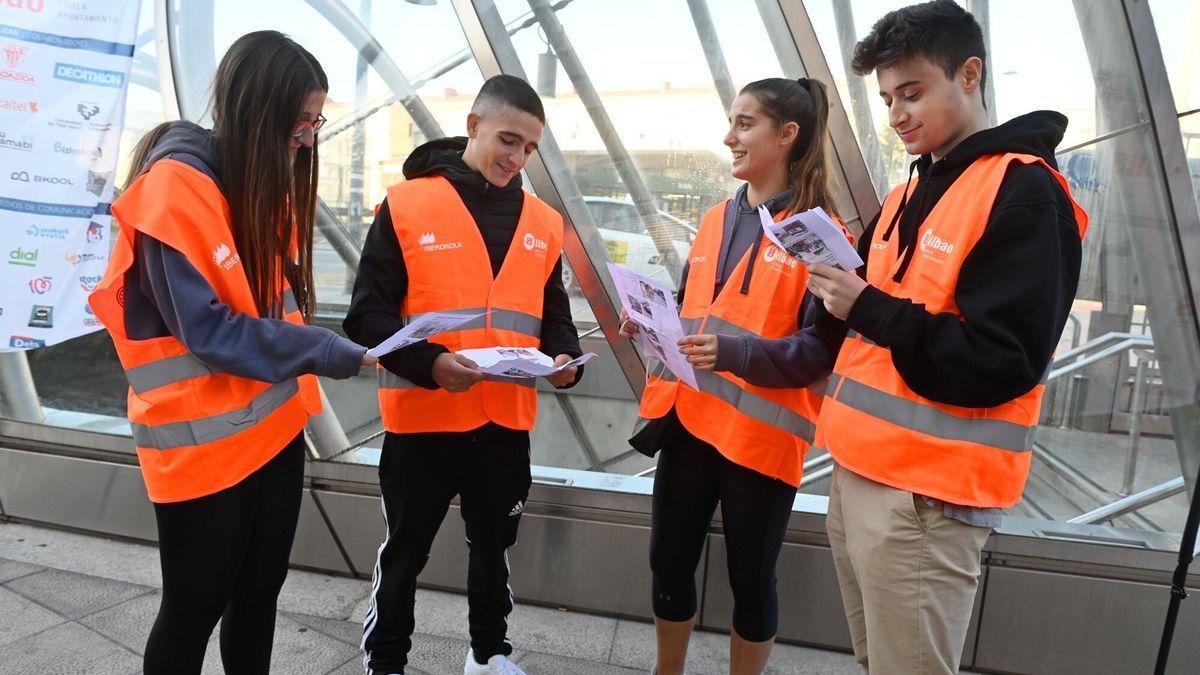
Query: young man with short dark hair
{"points": [[459, 234], [970, 276]]}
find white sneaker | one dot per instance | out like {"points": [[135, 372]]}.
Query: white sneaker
{"points": [[497, 665]]}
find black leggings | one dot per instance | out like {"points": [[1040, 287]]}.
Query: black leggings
{"points": [[224, 556], [692, 477]]}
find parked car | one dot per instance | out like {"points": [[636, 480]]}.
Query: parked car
{"points": [[629, 243]]}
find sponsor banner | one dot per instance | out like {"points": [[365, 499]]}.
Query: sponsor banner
{"points": [[64, 72]]}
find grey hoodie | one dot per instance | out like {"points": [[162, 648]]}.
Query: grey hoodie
{"points": [[166, 295]]}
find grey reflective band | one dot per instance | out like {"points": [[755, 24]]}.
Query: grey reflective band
{"points": [[690, 326], [216, 427], [390, 380], [517, 322], [502, 319], [289, 302], [529, 382], [855, 335], [752, 405], [166, 371], [930, 421]]}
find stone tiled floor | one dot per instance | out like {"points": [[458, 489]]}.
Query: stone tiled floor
{"points": [[71, 603]]}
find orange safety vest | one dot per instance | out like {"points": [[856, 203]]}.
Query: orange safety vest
{"points": [[765, 429], [197, 430], [877, 427], [449, 270]]}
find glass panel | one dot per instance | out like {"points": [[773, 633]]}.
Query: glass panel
{"points": [[1177, 23], [1127, 308]]}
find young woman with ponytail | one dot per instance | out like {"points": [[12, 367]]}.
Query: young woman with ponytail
{"points": [[739, 438]]}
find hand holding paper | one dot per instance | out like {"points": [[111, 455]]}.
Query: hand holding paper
{"points": [[813, 237], [519, 362], [420, 328]]}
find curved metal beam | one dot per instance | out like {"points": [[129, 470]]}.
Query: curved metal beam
{"points": [[345, 21]]}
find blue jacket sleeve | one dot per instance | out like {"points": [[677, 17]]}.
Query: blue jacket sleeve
{"points": [[271, 350], [798, 360]]}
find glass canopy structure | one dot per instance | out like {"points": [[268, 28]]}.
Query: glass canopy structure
{"points": [[636, 95]]}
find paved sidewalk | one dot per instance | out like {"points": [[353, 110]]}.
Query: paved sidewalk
{"points": [[71, 603]]}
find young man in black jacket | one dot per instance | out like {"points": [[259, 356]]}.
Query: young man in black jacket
{"points": [[451, 431], [953, 321]]}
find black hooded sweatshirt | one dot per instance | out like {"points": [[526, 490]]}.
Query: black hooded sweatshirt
{"points": [[382, 281], [1015, 288]]}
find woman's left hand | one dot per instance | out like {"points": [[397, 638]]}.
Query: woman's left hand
{"points": [[701, 350]]}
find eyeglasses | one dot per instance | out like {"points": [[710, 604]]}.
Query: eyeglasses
{"points": [[315, 124], [306, 130]]}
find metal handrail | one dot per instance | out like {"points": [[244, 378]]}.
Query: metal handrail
{"points": [[1133, 502], [1093, 344], [1126, 344]]}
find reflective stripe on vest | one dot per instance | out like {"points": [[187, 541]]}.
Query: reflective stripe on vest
{"points": [[502, 319], [217, 427], [878, 427], [390, 380], [765, 429], [450, 271], [928, 420], [198, 430], [749, 404], [150, 376]]}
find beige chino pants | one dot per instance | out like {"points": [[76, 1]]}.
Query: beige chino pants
{"points": [[907, 573]]}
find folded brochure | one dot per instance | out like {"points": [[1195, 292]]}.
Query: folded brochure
{"points": [[813, 237], [519, 362]]}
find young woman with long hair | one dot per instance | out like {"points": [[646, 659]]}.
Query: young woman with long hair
{"points": [[207, 295], [740, 437]]}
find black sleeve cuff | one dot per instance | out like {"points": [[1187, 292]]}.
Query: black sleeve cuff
{"points": [[872, 313], [415, 363]]}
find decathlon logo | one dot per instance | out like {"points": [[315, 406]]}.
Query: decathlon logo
{"points": [[773, 254], [931, 245], [531, 243], [71, 72], [224, 258], [428, 243]]}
